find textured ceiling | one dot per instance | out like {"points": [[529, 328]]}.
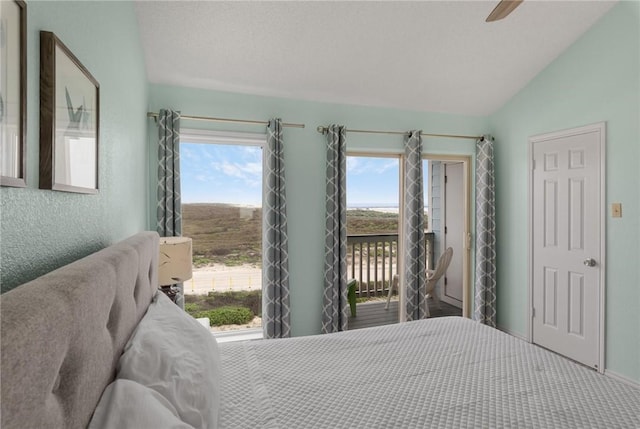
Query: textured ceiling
{"points": [[425, 55]]}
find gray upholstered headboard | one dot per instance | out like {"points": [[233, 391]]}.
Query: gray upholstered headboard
{"points": [[62, 334]]}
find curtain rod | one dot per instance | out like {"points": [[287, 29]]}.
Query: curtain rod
{"points": [[237, 121], [322, 130]]}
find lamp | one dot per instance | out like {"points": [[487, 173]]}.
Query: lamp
{"points": [[174, 265]]}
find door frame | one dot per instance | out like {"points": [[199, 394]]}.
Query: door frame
{"points": [[467, 186], [466, 221], [596, 127], [444, 242]]}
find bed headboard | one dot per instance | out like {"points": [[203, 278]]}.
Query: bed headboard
{"points": [[62, 334]]}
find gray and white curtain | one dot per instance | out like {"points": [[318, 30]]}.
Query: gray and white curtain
{"points": [[275, 260], [335, 316], [413, 249], [485, 287], [169, 210]]}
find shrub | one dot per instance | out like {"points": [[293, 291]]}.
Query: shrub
{"points": [[227, 316], [192, 308], [201, 261], [249, 299]]}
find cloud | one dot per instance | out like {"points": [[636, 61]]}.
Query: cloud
{"points": [[207, 154], [249, 172], [221, 173], [370, 165], [352, 164], [392, 163], [186, 152]]}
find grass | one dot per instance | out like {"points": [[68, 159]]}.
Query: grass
{"points": [[231, 235], [371, 222], [222, 233], [226, 316], [251, 300]]}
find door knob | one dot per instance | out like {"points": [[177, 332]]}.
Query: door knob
{"points": [[590, 262]]}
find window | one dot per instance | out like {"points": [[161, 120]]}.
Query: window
{"points": [[221, 178]]}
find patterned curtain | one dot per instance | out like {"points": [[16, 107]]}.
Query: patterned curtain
{"points": [[335, 316], [169, 210], [275, 262], [485, 288], [414, 251]]}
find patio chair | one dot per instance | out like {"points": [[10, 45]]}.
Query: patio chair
{"points": [[432, 278]]}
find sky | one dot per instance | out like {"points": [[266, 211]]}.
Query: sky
{"points": [[213, 173], [232, 174]]}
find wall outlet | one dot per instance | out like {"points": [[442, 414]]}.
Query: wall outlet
{"points": [[616, 210]]}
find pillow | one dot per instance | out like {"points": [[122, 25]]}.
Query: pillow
{"points": [[125, 404], [173, 354]]}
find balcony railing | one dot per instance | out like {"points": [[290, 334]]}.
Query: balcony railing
{"points": [[372, 259]]}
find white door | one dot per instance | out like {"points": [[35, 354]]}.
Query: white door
{"points": [[454, 231], [567, 232]]}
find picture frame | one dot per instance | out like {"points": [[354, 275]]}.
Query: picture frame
{"points": [[69, 120], [13, 93]]}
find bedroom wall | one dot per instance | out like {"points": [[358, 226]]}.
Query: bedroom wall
{"points": [[305, 164], [597, 79], [42, 230]]}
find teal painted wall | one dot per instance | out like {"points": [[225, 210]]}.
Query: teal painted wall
{"points": [[305, 160], [596, 79], [42, 230]]}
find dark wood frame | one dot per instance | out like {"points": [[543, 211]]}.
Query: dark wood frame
{"points": [[48, 44], [21, 180]]}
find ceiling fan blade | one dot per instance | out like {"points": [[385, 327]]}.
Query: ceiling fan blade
{"points": [[504, 8]]}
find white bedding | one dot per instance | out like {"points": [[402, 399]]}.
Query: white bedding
{"points": [[442, 372]]}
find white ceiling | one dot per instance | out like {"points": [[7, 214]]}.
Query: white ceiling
{"points": [[437, 56]]}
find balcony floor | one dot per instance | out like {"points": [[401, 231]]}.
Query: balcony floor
{"points": [[370, 314]]}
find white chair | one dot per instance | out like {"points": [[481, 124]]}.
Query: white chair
{"points": [[432, 278]]}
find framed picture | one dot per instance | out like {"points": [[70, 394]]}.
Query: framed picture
{"points": [[69, 120], [13, 93]]}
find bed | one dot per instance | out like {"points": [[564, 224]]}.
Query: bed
{"points": [[106, 350]]}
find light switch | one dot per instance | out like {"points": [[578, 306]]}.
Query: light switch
{"points": [[616, 210]]}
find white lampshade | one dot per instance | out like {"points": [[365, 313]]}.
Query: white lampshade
{"points": [[175, 260]]}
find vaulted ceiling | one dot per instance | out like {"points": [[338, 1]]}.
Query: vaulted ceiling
{"points": [[438, 56]]}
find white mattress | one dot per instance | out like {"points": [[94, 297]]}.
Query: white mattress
{"points": [[442, 372]]}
